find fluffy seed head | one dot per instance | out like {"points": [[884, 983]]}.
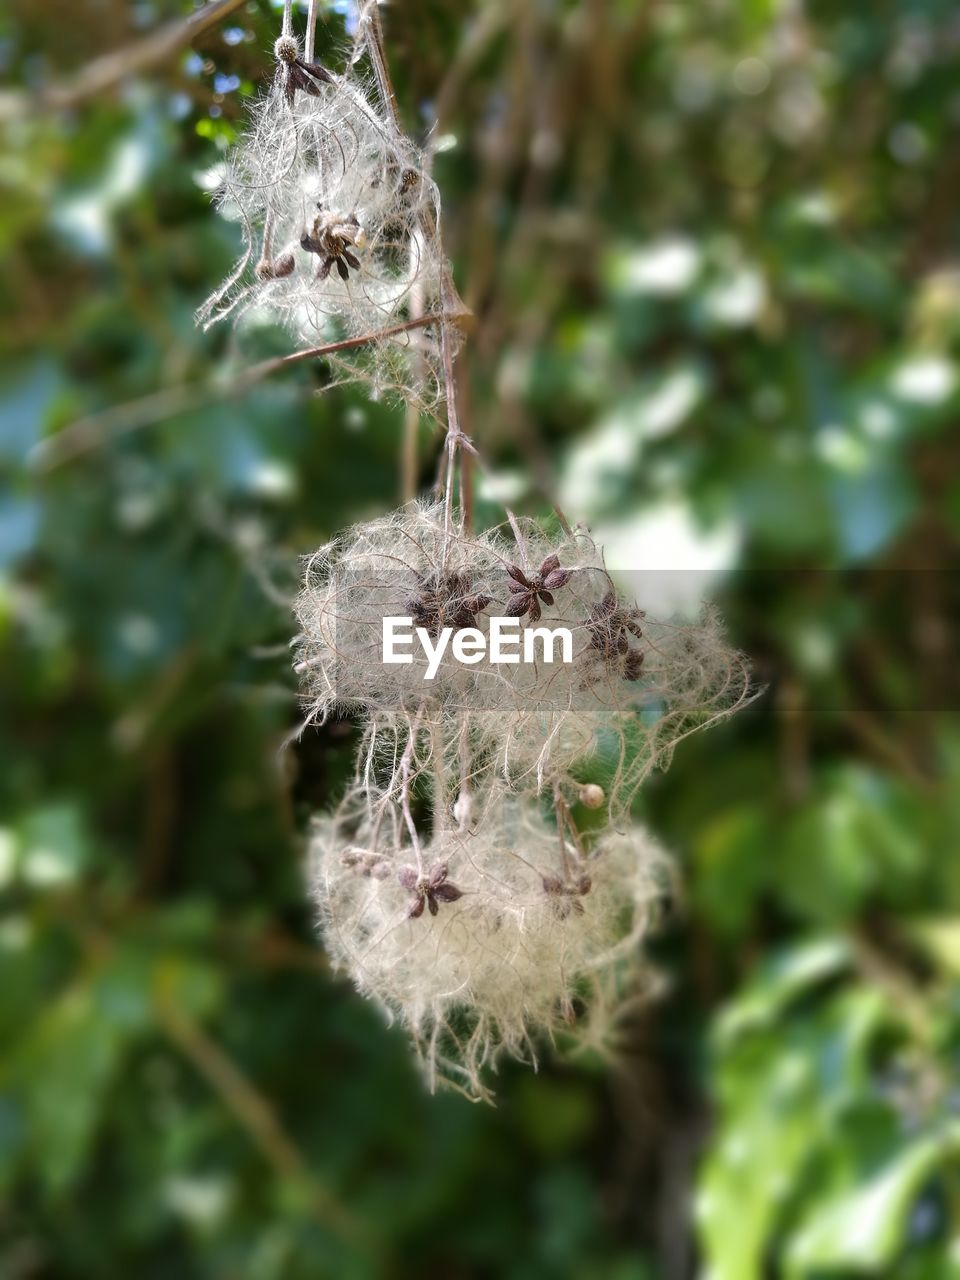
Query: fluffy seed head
{"points": [[322, 152], [634, 687], [286, 49], [521, 927]]}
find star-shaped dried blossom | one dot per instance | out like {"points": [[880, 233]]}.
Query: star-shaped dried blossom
{"points": [[365, 863], [526, 591], [445, 600], [428, 890], [565, 897], [609, 624], [298, 74]]}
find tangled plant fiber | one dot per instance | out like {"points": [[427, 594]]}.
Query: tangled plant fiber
{"points": [[341, 228], [489, 935], [635, 685], [454, 884]]}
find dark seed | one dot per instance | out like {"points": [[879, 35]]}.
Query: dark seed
{"points": [[408, 877], [447, 893], [633, 665], [318, 72]]}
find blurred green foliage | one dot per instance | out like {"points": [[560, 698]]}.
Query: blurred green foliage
{"points": [[712, 253]]}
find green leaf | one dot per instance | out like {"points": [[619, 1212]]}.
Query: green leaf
{"points": [[63, 1072], [940, 938], [54, 845], [864, 1231], [784, 978]]}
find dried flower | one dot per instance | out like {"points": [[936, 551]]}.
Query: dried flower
{"points": [[565, 895], [610, 623], [524, 724], [428, 890], [446, 600], [527, 592], [331, 237]]}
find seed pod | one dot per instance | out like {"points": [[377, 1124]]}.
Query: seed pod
{"points": [[277, 269], [286, 49], [592, 796]]}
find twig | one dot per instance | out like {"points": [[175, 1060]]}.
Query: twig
{"points": [[564, 522], [254, 1113], [453, 305], [481, 29], [88, 433], [110, 69], [309, 43], [408, 456], [406, 766], [370, 20], [411, 418]]}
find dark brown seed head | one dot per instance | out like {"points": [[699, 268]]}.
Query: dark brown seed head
{"points": [[275, 269], [633, 665], [446, 892]]}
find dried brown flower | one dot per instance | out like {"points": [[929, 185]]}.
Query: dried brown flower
{"points": [[445, 600], [526, 592], [429, 890], [610, 625], [332, 237], [564, 895]]}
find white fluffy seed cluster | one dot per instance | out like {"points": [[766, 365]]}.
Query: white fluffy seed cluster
{"points": [[502, 931], [454, 884], [340, 225], [634, 687]]}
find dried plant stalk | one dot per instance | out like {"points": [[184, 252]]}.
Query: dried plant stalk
{"points": [[340, 222], [453, 883]]}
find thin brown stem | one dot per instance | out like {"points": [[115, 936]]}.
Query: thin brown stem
{"points": [[406, 768], [89, 433], [112, 68], [372, 27], [253, 1111], [372, 30], [309, 44], [408, 457]]}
